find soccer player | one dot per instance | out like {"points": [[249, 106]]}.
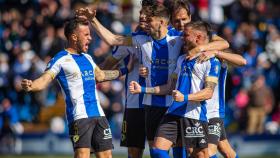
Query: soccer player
{"points": [[187, 115], [160, 50], [180, 16], [216, 106], [133, 127], [77, 75]]}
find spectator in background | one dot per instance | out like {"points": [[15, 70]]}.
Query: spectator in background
{"points": [[9, 126], [260, 104], [4, 73]]}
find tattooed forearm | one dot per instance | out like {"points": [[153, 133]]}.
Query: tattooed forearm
{"points": [[111, 75], [210, 85], [107, 75], [150, 90]]}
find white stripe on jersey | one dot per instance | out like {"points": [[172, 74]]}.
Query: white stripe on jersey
{"points": [[123, 52], [191, 79], [216, 105], [160, 57], [75, 74]]}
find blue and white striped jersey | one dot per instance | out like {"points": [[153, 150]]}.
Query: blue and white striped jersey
{"points": [[216, 105], [75, 74], [122, 53], [191, 79], [160, 57]]}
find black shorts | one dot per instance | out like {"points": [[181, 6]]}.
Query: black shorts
{"points": [[133, 128], [216, 130], [153, 116], [93, 133], [170, 128], [195, 133]]}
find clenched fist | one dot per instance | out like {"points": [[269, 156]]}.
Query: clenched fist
{"points": [[85, 14], [26, 85], [134, 87], [143, 71], [177, 96]]}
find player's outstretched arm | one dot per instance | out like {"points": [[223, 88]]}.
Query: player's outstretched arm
{"points": [[106, 75], [103, 33], [217, 43], [232, 58], [39, 84], [225, 55]]}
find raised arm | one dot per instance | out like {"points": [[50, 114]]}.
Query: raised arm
{"points": [[217, 43], [103, 33], [225, 55], [165, 89], [37, 85], [232, 58]]}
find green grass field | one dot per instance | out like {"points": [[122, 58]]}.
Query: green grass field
{"points": [[114, 156]]}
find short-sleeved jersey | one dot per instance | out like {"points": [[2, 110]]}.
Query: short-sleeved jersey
{"points": [[216, 105], [160, 57], [122, 53], [75, 75], [191, 79]]}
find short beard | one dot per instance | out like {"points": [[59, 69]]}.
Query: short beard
{"points": [[79, 47]]}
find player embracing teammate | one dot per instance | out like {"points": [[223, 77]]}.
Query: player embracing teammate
{"points": [[189, 114]]}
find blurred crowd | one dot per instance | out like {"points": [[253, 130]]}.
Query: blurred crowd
{"points": [[31, 33]]}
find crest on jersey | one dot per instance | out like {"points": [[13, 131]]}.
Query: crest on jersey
{"points": [[172, 42]]}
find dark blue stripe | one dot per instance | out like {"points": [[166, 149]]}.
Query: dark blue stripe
{"points": [[55, 58], [142, 82], [222, 82], [184, 86], [215, 67], [203, 112], [126, 60], [159, 69], [69, 105], [86, 68]]}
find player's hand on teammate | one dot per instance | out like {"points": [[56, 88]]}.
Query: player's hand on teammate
{"points": [[177, 96], [143, 71], [26, 85], [134, 87], [194, 52], [85, 14], [204, 56]]}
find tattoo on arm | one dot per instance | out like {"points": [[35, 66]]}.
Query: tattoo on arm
{"points": [[150, 90], [110, 75], [210, 85]]}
